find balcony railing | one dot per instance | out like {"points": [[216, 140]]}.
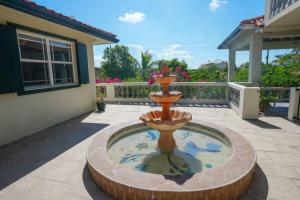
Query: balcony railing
{"points": [[278, 6], [278, 94], [205, 93], [234, 97], [238, 96]]}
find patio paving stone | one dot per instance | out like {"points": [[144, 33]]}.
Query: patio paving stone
{"points": [[51, 164]]}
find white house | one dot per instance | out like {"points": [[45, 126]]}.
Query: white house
{"points": [[219, 63], [278, 28], [46, 68]]}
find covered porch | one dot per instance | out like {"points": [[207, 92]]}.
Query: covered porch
{"points": [[254, 36]]}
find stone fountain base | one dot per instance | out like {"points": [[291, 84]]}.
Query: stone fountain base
{"points": [[228, 181]]}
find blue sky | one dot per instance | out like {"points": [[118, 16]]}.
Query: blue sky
{"points": [[187, 29]]}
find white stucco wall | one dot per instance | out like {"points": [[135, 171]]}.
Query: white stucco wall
{"points": [[21, 116]]}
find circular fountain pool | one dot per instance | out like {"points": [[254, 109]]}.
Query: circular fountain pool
{"points": [[197, 149], [209, 162]]}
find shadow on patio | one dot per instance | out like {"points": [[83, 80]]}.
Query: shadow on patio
{"points": [[263, 124], [259, 188], [24, 156]]}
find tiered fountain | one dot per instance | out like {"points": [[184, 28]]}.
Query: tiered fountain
{"points": [[172, 157], [166, 121]]}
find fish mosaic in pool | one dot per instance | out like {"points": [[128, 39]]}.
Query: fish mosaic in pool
{"points": [[195, 151]]}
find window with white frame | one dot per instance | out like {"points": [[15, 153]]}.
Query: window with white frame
{"points": [[46, 61]]}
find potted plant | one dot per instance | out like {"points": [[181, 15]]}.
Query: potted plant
{"points": [[100, 104], [265, 101]]}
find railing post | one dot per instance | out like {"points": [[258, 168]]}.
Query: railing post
{"points": [[268, 10], [249, 102], [294, 103], [110, 91]]}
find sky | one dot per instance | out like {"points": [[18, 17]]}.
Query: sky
{"points": [[185, 29]]}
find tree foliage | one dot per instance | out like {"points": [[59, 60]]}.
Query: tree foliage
{"points": [[118, 62], [212, 73], [146, 65], [241, 74], [174, 63], [280, 73]]}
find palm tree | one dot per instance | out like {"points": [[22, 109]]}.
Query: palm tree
{"points": [[146, 64]]}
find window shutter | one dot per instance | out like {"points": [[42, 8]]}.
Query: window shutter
{"points": [[82, 58], [10, 66]]}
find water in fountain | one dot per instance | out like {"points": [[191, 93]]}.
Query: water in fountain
{"points": [[165, 147], [196, 150]]}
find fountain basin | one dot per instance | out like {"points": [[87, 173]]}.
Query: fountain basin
{"points": [[227, 180]]}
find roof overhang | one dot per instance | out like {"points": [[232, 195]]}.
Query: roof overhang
{"points": [[237, 33], [239, 39], [57, 18], [279, 37], [244, 27]]}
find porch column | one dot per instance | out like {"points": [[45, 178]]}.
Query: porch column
{"points": [[255, 55], [231, 64]]}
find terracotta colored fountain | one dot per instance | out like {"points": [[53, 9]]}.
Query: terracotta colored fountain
{"points": [[194, 159], [166, 121]]}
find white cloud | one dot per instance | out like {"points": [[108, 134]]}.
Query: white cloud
{"points": [[132, 17], [215, 4], [174, 51]]}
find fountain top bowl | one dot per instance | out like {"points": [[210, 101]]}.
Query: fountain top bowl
{"points": [[165, 80]]}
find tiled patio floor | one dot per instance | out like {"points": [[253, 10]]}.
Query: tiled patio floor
{"points": [[51, 164]]}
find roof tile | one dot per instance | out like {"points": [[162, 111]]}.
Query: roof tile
{"points": [[71, 19], [258, 21]]}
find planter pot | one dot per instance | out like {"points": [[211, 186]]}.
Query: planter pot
{"points": [[101, 107]]}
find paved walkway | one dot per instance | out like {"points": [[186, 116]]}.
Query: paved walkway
{"points": [[51, 164]]}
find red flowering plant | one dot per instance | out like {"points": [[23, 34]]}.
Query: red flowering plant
{"points": [[111, 80], [154, 75], [181, 75], [164, 71]]}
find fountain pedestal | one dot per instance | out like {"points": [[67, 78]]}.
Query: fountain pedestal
{"points": [[166, 141]]}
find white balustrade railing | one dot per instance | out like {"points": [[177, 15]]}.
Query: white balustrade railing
{"points": [[280, 94], [294, 104], [277, 6], [242, 98], [200, 92]]}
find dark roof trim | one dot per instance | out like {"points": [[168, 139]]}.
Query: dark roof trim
{"points": [[42, 12], [234, 33]]}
